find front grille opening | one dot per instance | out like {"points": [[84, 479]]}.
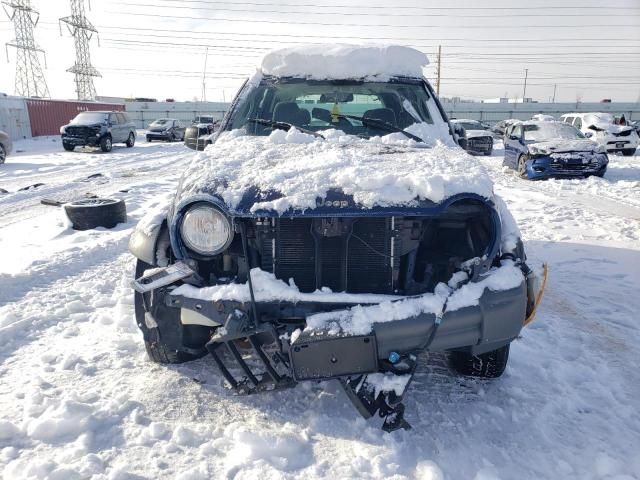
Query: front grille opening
{"points": [[389, 255]]}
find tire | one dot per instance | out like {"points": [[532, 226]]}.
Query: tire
{"points": [[486, 365], [522, 169], [488, 154], [629, 152], [96, 212], [157, 351], [105, 144], [3, 154], [131, 140], [67, 147]]}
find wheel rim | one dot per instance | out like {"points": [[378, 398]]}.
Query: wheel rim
{"points": [[108, 144], [521, 167], [92, 202]]}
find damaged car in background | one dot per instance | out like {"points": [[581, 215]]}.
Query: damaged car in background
{"points": [[545, 149], [479, 136], [334, 230]]}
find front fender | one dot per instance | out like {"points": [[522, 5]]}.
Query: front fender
{"points": [[145, 241]]}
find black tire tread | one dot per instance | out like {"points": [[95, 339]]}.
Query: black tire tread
{"points": [[486, 365], [89, 217]]}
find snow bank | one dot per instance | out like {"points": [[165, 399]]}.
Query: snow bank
{"points": [[341, 61], [383, 171]]}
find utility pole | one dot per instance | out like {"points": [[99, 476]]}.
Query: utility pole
{"points": [[82, 31], [439, 69], [555, 86], [524, 90], [30, 81], [203, 97]]}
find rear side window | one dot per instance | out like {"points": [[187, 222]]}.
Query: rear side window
{"points": [[568, 120], [577, 123]]}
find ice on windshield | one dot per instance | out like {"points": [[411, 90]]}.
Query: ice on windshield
{"points": [[161, 121], [543, 132], [90, 117], [598, 118]]}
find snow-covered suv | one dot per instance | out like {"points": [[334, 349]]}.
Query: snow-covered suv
{"points": [[334, 229], [600, 128]]}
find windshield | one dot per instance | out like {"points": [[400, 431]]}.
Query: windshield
{"points": [[471, 125], [326, 104], [161, 121], [204, 119], [595, 118], [85, 118], [543, 132]]}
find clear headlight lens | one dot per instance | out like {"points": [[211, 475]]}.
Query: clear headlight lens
{"points": [[206, 230]]}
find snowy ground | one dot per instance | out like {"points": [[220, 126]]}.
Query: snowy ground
{"points": [[78, 399]]}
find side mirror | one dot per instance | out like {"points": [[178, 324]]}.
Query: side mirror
{"points": [[514, 137], [588, 134]]}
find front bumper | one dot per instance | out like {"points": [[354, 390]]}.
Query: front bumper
{"points": [[159, 135], [91, 140], [494, 321], [547, 167]]}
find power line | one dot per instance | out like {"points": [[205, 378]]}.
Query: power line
{"points": [[403, 7], [217, 8], [334, 24]]}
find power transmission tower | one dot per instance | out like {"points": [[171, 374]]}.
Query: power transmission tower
{"points": [[82, 30], [30, 81]]}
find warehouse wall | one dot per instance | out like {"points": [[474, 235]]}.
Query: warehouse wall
{"points": [[14, 118]]}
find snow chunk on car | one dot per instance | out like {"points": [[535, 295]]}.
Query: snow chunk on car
{"points": [[302, 168], [379, 62]]}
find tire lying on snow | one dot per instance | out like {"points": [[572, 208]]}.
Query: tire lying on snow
{"points": [[96, 212]]}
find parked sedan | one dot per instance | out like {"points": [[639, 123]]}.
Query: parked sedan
{"points": [[5, 146], [478, 135], [552, 149], [168, 129]]}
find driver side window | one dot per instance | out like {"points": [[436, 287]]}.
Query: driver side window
{"points": [[517, 131]]}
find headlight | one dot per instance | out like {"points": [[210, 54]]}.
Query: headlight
{"points": [[600, 149], [205, 230], [537, 151], [62, 130]]}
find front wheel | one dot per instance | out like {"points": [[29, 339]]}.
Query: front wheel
{"points": [[131, 141], [486, 365], [522, 166], [157, 351], [628, 152], [105, 144], [3, 154], [68, 147]]}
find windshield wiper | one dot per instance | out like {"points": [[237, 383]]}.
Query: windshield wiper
{"points": [[283, 126], [382, 125]]}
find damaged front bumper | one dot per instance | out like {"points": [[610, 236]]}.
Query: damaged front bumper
{"points": [[256, 353]]}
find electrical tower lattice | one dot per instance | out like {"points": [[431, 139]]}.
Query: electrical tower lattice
{"points": [[82, 30], [30, 81]]}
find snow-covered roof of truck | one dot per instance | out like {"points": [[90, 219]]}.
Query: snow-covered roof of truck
{"points": [[341, 61]]}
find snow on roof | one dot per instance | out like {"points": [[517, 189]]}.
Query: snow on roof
{"points": [[341, 61], [382, 171]]}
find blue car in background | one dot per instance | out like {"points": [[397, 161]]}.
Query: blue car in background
{"points": [[552, 149]]}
